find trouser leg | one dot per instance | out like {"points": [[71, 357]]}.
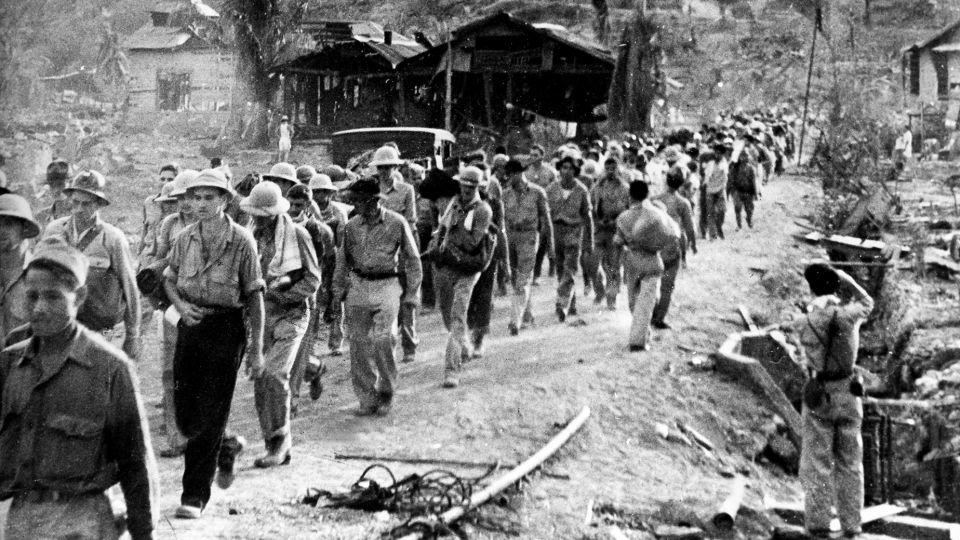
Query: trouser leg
{"points": [[335, 327], [205, 374], [816, 467], [848, 444], [540, 254], [611, 262], [704, 213], [175, 439], [271, 391], [719, 212], [481, 301], [306, 360], [667, 284], [407, 319], [526, 249], [384, 338], [643, 304], [427, 297], [748, 206], [81, 517], [568, 263], [738, 208], [458, 289]]}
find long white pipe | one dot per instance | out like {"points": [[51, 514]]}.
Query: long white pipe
{"points": [[516, 473]]}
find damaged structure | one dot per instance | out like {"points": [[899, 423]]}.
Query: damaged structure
{"points": [[501, 70], [176, 62]]}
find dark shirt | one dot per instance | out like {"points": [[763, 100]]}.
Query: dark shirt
{"points": [[73, 422], [381, 245]]}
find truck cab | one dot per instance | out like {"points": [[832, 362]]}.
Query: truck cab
{"points": [[429, 147]]}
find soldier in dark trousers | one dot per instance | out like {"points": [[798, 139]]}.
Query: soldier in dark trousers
{"points": [[213, 277], [71, 422]]}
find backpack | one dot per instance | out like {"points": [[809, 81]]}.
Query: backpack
{"points": [[744, 179]]}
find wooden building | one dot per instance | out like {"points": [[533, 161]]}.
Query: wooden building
{"points": [[349, 79], [503, 67], [931, 68], [175, 64]]}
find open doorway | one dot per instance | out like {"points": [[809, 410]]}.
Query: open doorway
{"points": [[173, 90]]}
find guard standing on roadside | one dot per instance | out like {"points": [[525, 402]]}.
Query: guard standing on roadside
{"points": [[377, 245], [289, 264], [463, 228], [831, 460], [570, 209], [16, 227], [611, 196], [213, 277], [644, 230], [526, 214], [400, 197], [71, 419], [112, 283]]}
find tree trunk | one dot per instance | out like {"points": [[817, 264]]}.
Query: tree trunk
{"points": [[637, 79]]}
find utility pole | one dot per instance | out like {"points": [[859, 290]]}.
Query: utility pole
{"points": [[448, 97], [806, 94]]}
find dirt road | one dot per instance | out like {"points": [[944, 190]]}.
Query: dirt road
{"points": [[510, 403]]}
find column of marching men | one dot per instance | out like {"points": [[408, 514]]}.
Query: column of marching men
{"points": [[260, 269]]}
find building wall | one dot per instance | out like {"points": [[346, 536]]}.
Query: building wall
{"points": [[211, 75], [928, 78]]}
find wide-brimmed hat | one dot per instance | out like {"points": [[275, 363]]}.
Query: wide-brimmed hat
{"points": [[470, 176], [90, 182], [56, 250], [305, 173], [165, 194], [321, 181], [182, 181], [386, 156], [671, 154], [282, 171], [365, 188], [211, 178], [15, 206], [265, 200]]}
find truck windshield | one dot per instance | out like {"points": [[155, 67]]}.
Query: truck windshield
{"points": [[413, 145]]}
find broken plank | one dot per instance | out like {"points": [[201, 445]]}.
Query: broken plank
{"points": [[696, 436], [792, 512], [747, 319]]}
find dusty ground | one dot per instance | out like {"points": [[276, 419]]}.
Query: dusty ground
{"points": [[510, 402]]}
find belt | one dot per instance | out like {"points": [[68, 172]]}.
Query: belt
{"points": [[375, 276], [39, 496]]}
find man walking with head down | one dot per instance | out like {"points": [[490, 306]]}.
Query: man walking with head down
{"points": [[377, 246]]}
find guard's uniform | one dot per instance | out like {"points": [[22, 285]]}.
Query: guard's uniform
{"points": [[526, 213], [218, 278], [73, 425], [610, 197], [831, 460], [367, 277], [570, 210]]}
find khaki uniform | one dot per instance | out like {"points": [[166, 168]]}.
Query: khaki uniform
{"points": [[570, 210], [152, 217], [542, 174], [287, 315], [680, 211], [73, 425], [400, 197], [526, 212], [454, 288], [610, 197], [831, 460], [367, 278]]}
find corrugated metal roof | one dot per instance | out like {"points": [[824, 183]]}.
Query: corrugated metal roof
{"points": [[149, 36], [372, 35]]}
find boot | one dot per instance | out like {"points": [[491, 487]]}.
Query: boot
{"points": [[278, 453]]}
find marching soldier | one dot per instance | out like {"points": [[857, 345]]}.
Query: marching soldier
{"points": [[610, 197], [152, 217], [72, 423], [16, 227], [679, 210], [573, 230], [213, 277], [334, 215], [400, 197], [112, 282], [289, 264], [526, 214], [377, 246]]}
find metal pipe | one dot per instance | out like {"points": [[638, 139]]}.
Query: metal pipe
{"points": [[727, 513], [515, 474]]}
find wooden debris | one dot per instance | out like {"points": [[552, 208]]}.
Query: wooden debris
{"points": [[696, 436], [915, 527], [726, 514], [688, 348], [676, 532], [588, 519], [747, 319]]}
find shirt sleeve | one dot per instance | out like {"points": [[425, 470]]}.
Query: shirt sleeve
{"points": [[120, 255], [410, 206], [248, 263], [175, 257], [128, 445], [410, 258], [546, 224], [339, 288]]}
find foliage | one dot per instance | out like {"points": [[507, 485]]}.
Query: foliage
{"points": [[263, 32]]}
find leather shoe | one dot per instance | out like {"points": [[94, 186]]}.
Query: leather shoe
{"points": [[639, 348], [272, 459], [450, 380], [513, 329], [188, 511], [365, 411], [230, 449], [171, 452], [561, 315]]}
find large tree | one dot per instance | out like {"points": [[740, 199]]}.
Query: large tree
{"points": [[263, 30], [637, 78]]}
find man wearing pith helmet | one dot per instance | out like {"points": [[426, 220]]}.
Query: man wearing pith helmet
{"points": [[16, 227], [214, 282], [112, 284], [284, 175], [334, 214], [289, 264], [72, 422], [400, 197]]}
